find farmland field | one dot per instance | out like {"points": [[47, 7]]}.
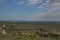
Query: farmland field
{"points": [[23, 30]]}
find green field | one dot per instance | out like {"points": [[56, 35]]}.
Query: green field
{"points": [[30, 31]]}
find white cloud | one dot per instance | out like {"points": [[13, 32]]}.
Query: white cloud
{"points": [[54, 1], [55, 5], [47, 1], [44, 17], [44, 6], [21, 2], [51, 17], [50, 5], [32, 2]]}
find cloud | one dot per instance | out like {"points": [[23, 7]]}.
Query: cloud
{"points": [[44, 17], [1, 1], [33, 2], [51, 17], [54, 1], [33, 17], [55, 5], [21, 2], [42, 4], [49, 5]]}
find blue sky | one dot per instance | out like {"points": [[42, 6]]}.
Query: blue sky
{"points": [[30, 10]]}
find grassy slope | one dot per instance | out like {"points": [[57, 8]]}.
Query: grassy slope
{"points": [[14, 28]]}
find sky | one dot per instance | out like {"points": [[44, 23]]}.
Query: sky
{"points": [[30, 10]]}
